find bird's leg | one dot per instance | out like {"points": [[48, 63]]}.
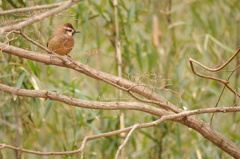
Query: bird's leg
{"points": [[71, 59], [67, 61]]}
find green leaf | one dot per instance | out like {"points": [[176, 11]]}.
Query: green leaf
{"points": [[139, 55], [20, 80], [131, 12], [48, 107], [12, 3], [94, 128], [19, 83]]}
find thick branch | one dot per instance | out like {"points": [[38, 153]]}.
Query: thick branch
{"points": [[82, 103], [110, 105]]}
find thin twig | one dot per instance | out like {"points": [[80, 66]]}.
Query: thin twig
{"points": [[11, 125], [222, 93], [203, 76], [165, 106], [34, 42], [126, 140], [219, 68], [118, 55], [37, 17], [215, 70], [34, 8], [139, 126]]}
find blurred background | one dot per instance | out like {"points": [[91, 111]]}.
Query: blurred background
{"points": [[157, 37]]}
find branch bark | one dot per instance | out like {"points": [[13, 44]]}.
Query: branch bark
{"points": [[82, 103]]}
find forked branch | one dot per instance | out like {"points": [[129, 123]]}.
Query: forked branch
{"points": [[225, 82]]}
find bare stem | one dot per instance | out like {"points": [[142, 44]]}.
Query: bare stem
{"points": [[34, 8], [226, 83], [131, 129], [38, 17]]}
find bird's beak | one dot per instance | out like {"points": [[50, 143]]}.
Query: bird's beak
{"points": [[76, 31]]}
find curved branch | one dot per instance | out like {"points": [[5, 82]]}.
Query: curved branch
{"points": [[191, 61], [219, 68], [82, 103], [32, 41], [218, 100], [136, 126]]}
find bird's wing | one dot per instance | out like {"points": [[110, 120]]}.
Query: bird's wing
{"points": [[49, 40]]}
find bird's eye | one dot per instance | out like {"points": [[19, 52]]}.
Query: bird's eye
{"points": [[69, 30]]}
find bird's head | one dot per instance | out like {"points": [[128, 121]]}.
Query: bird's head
{"points": [[67, 29]]}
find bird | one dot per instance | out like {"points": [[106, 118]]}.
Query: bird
{"points": [[62, 41]]}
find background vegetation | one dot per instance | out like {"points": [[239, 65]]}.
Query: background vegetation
{"points": [[157, 38]]}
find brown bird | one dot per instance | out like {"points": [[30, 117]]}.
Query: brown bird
{"points": [[61, 41]]}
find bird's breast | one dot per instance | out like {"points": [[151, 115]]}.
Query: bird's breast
{"points": [[61, 45]]}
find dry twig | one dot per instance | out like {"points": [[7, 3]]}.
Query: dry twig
{"points": [[226, 83], [38, 17], [34, 8], [131, 128], [126, 140]]}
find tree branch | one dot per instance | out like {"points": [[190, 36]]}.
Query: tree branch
{"points": [[118, 82], [215, 70], [37, 17], [126, 140], [219, 68], [34, 8], [131, 128], [32, 41], [82, 103]]}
